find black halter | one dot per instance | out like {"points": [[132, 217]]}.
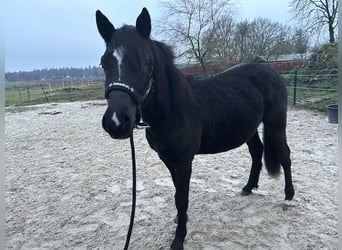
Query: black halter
{"points": [[137, 98]]}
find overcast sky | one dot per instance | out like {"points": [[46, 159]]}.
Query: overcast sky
{"points": [[62, 33]]}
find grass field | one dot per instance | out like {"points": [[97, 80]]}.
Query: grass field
{"points": [[34, 94], [312, 99]]}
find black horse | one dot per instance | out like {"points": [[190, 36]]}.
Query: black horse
{"points": [[188, 116]]}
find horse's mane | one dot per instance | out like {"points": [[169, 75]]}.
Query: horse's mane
{"points": [[179, 89]]}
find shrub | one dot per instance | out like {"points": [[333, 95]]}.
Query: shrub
{"points": [[324, 57]]}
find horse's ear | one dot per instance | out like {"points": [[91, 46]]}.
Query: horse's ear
{"points": [[143, 23], [104, 26]]}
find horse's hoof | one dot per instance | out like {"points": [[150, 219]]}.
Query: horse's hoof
{"points": [[245, 193], [289, 206]]}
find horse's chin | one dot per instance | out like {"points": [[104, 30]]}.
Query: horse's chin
{"points": [[120, 137]]}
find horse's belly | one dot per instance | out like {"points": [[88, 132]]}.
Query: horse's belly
{"points": [[220, 139], [218, 145]]}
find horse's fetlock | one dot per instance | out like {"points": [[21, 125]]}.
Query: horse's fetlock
{"points": [[177, 244]]}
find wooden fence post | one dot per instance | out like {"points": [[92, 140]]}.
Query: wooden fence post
{"points": [[28, 93], [50, 90], [47, 99], [21, 100]]}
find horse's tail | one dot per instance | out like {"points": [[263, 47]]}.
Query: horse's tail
{"points": [[271, 155]]}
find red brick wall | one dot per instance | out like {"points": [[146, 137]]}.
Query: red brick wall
{"points": [[215, 68], [281, 67]]}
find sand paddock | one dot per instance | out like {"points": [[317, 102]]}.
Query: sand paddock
{"points": [[68, 186]]}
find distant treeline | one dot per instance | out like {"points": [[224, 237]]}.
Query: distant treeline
{"points": [[54, 74]]}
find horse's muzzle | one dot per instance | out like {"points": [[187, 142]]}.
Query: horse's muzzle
{"points": [[117, 130], [120, 117]]}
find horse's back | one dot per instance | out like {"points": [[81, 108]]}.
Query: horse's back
{"points": [[254, 83], [266, 81], [233, 103], [265, 78], [272, 87]]}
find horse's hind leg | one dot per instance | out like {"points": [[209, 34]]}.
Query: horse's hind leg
{"points": [[283, 151], [255, 149], [277, 153]]}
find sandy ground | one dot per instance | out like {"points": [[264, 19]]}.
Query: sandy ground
{"points": [[68, 186]]}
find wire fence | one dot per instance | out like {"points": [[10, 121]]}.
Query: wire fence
{"points": [[304, 88], [317, 86], [27, 93]]}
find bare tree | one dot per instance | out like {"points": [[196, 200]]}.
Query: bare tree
{"points": [[189, 24], [300, 41], [241, 40], [283, 41], [222, 48], [261, 37], [316, 14]]}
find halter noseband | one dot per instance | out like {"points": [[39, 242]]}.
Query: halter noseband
{"points": [[137, 98]]}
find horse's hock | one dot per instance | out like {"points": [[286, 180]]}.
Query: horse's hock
{"points": [[332, 113]]}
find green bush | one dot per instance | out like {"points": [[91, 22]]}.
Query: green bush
{"points": [[324, 57]]}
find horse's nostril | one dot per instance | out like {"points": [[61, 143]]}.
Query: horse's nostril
{"points": [[125, 118]]}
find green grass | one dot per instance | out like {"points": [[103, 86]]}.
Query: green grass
{"points": [[327, 97], [36, 95], [311, 84]]}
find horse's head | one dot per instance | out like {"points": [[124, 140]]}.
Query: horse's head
{"points": [[128, 66]]}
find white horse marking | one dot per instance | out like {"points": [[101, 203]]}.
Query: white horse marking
{"points": [[116, 120], [118, 54]]}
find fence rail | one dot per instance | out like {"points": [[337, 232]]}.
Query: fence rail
{"points": [[303, 88], [313, 87], [26, 93]]}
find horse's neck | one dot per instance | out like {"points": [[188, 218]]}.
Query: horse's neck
{"points": [[171, 95]]}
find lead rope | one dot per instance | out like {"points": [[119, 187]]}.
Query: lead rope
{"points": [[130, 228]]}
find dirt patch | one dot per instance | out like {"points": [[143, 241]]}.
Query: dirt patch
{"points": [[68, 186]]}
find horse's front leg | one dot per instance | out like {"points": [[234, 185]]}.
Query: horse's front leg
{"points": [[181, 173]]}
